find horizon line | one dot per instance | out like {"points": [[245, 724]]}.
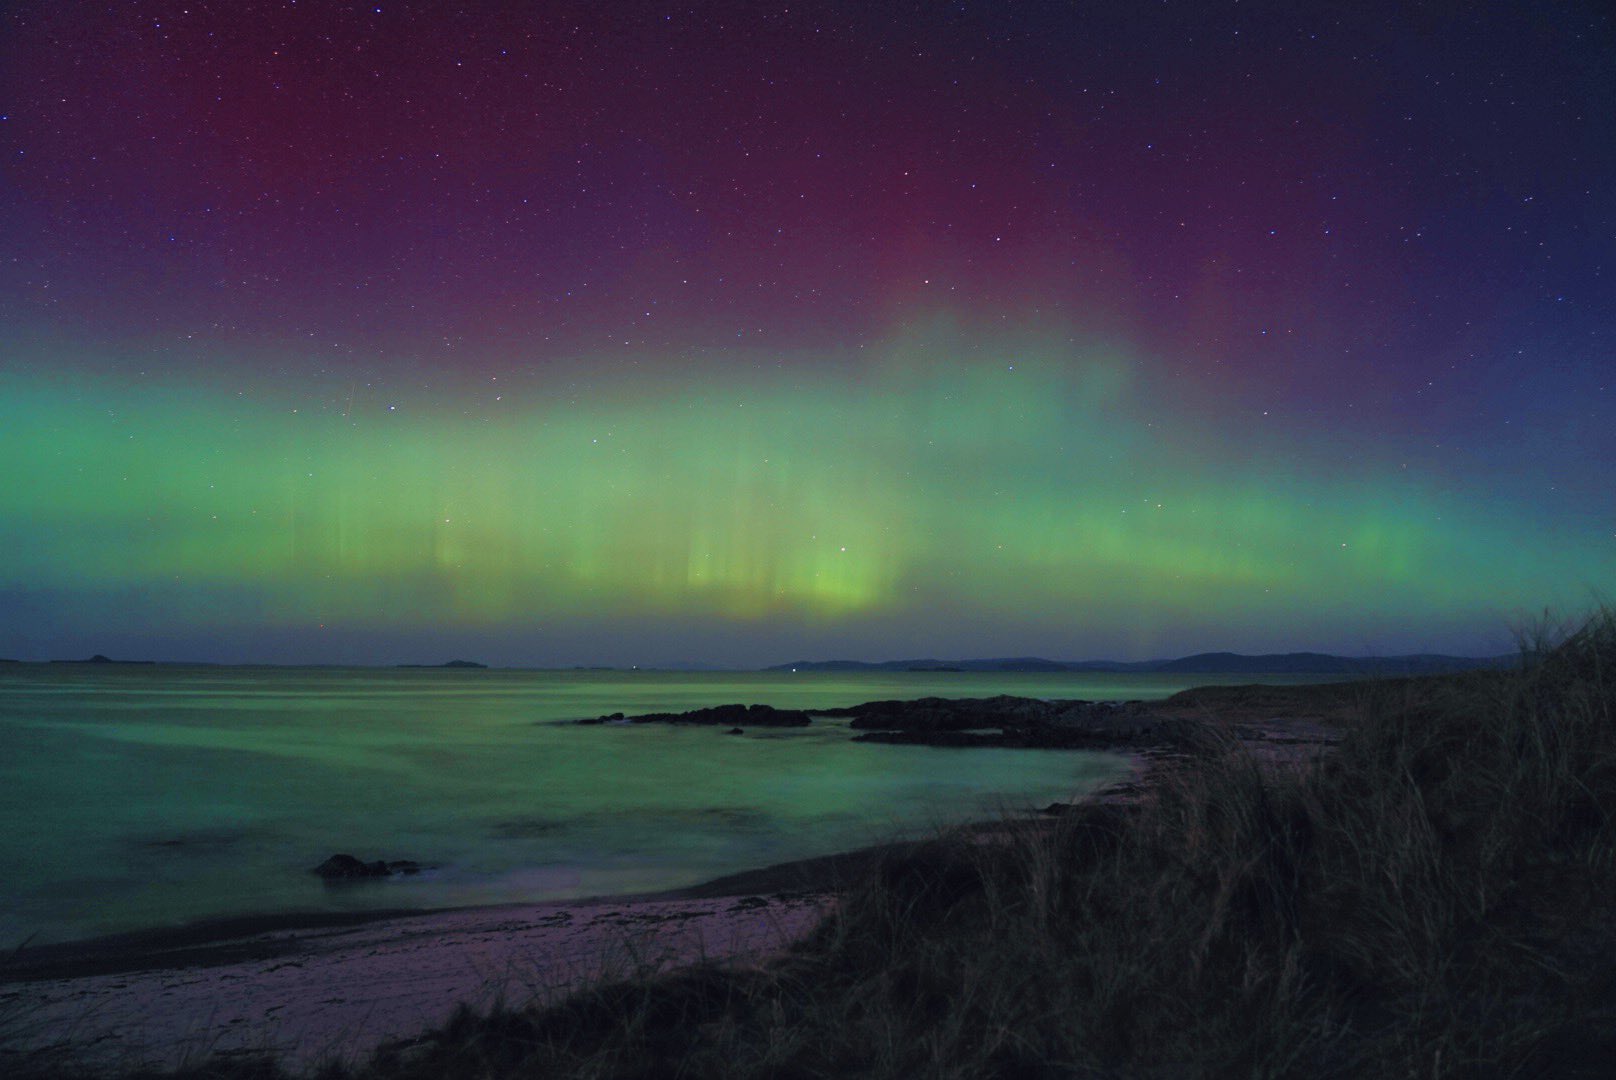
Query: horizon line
{"points": [[463, 664]]}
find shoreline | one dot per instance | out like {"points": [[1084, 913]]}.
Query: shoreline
{"points": [[308, 988], [311, 987], [254, 936], [268, 935]]}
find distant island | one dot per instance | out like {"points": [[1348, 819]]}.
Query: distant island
{"points": [[1213, 663], [448, 664], [98, 658]]}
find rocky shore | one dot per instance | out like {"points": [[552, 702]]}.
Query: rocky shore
{"points": [[1002, 721]]}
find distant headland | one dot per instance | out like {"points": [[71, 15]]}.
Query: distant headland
{"points": [[1212, 663]]}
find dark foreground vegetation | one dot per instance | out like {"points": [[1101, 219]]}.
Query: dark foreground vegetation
{"points": [[1432, 899]]}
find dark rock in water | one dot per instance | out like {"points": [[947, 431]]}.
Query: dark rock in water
{"points": [[731, 715], [342, 867], [735, 731]]}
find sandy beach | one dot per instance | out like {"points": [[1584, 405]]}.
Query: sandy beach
{"points": [[312, 988], [312, 994]]}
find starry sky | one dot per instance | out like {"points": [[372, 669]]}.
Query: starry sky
{"points": [[553, 333]]}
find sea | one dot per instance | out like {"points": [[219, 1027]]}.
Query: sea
{"points": [[135, 797]]}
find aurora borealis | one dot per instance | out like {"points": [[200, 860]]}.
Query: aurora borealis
{"points": [[737, 334]]}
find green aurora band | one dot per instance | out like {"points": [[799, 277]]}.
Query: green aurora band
{"points": [[1034, 485]]}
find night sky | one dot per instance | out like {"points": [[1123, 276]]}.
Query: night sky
{"points": [[743, 333]]}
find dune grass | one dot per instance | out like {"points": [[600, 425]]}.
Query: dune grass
{"points": [[1432, 899]]}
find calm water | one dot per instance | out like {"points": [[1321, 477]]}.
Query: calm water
{"points": [[137, 796]]}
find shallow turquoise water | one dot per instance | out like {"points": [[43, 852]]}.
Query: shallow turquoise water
{"points": [[136, 796]]}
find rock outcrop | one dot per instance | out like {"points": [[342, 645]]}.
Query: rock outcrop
{"points": [[727, 715]]}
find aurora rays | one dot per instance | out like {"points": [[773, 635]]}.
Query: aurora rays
{"points": [[628, 336]]}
